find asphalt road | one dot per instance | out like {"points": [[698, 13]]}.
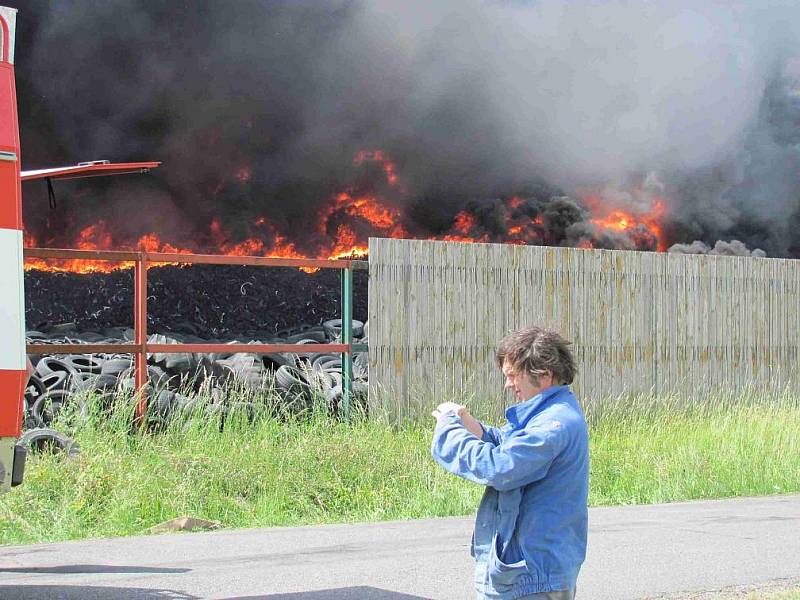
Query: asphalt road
{"points": [[672, 550]]}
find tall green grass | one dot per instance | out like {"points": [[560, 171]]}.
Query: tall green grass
{"points": [[650, 450], [259, 465]]}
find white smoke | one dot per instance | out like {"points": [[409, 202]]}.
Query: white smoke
{"points": [[721, 248], [590, 91]]}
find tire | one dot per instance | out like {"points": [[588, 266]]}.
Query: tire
{"points": [[163, 403], [333, 393], [35, 388], [316, 333], [334, 328], [333, 396], [159, 378], [309, 356], [180, 364], [332, 362], [242, 361], [318, 361], [115, 366], [56, 380], [46, 408], [83, 363], [156, 377], [92, 337], [275, 361], [289, 378], [101, 383], [48, 364], [33, 391], [44, 439]]}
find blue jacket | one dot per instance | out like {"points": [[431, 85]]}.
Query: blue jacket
{"points": [[531, 526]]}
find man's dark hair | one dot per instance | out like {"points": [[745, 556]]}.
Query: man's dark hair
{"points": [[536, 350]]}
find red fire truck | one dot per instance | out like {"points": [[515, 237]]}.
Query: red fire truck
{"points": [[13, 375], [13, 372]]}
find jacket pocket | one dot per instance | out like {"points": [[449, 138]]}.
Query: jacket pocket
{"points": [[504, 568]]}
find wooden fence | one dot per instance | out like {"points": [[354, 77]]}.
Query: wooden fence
{"points": [[640, 322]]}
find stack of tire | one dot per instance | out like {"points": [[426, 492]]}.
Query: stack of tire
{"points": [[298, 379]]}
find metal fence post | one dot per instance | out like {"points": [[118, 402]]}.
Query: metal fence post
{"points": [[347, 339], [140, 335]]}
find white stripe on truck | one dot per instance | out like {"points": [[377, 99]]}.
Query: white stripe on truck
{"points": [[10, 15], [12, 301]]}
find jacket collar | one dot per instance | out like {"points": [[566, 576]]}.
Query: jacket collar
{"points": [[520, 413]]}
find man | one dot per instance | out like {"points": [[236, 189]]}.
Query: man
{"points": [[530, 530]]}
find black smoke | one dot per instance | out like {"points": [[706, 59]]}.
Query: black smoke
{"points": [[259, 108]]}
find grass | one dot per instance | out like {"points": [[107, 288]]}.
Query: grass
{"points": [[648, 451], [266, 470]]}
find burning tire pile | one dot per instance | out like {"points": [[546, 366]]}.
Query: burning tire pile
{"points": [[195, 305], [205, 302]]}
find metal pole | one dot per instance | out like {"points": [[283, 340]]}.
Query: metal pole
{"points": [[347, 339], [140, 335]]}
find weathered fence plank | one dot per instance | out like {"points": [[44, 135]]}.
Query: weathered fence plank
{"points": [[640, 322]]}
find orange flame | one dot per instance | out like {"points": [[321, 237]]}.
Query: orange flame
{"points": [[365, 207], [464, 222], [93, 237], [340, 240], [349, 218], [619, 220]]}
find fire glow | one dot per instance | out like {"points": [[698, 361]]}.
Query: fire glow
{"points": [[347, 219], [646, 222]]}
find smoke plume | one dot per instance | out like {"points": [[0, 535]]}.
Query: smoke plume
{"points": [[259, 110], [732, 248]]}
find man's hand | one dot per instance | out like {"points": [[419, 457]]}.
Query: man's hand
{"points": [[470, 422], [447, 407]]}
